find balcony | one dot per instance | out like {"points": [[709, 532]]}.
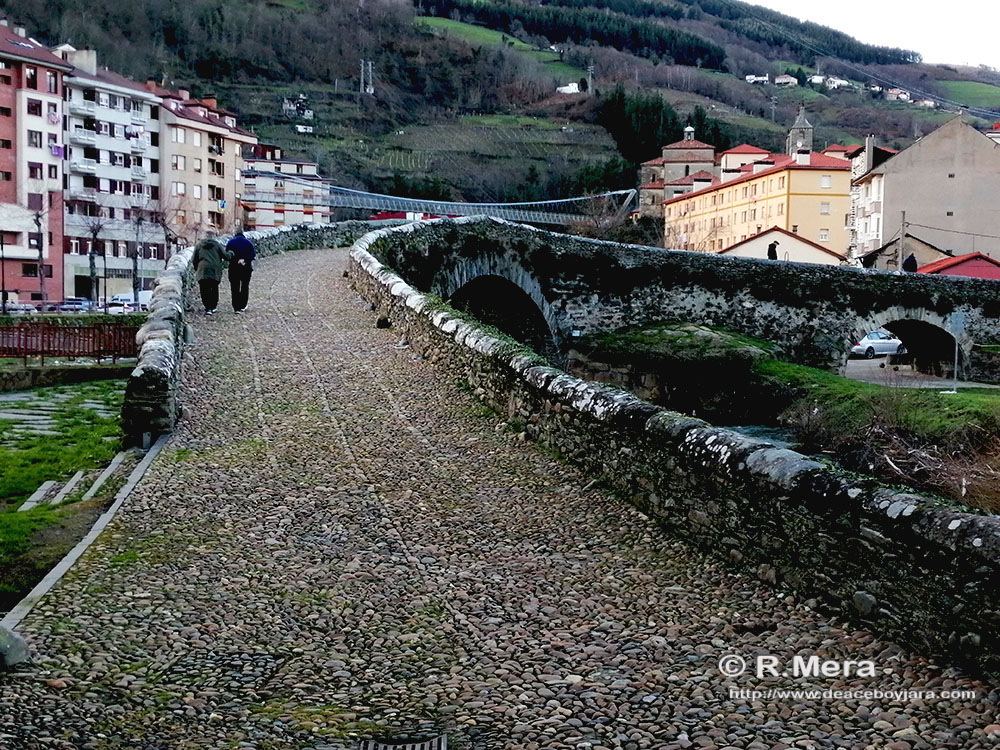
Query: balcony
{"points": [[139, 116], [83, 107], [138, 200], [138, 173], [83, 166], [83, 194], [138, 146], [83, 137]]}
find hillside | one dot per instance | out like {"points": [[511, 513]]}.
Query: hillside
{"points": [[442, 64]]}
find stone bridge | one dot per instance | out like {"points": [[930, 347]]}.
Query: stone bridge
{"points": [[348, 541], [545, 288]]}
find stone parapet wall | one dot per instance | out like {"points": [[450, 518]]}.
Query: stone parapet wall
{"points": [[150, 407], [900, 563]]}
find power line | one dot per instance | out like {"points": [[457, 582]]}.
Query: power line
{"points": [[954, 231]]}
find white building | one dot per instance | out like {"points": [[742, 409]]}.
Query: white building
{"points": [[282, 191], [112, 187]]}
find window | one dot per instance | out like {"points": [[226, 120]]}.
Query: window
{"points": [[119, 130], [35, 107], [781, 183], [178, 188], [36, 201], [949, 213], [824, 208], [5, 143], [824, 235], [4, 111], [177, 135], [196, 192], [196, 165], [196, 139], [51, 82], [5, 79], [31, 77], [951, 176], [104, 99], [795, 228], [825, 181], [74, 246], [35, 138], [53, 139], [30, 270], [34, 170], [177, 162], [181, 217]]}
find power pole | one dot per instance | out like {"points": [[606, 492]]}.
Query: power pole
{"points": [[590, 79], [902, 244], [371, 79]]}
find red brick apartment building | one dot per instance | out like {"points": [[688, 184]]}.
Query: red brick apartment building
{"points": [[32, 155]]}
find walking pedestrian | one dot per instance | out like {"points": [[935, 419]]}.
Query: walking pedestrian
{"points": [[209, 255], [240, 270], [772, 251], [910, 264]]}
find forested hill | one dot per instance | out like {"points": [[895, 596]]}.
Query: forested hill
{"points": [[319, 40]]}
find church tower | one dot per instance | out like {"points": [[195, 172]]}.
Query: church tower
{"points": [[801, 135]]}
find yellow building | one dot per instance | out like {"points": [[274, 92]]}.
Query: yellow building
{"points": [[808, 194]]}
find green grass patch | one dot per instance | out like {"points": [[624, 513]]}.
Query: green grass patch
{"points": [[79, 444], [923, 414], [506, 121], [483, 37], [972, 93]]}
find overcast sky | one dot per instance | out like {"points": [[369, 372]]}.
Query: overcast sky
{"points": [[959, 32]]}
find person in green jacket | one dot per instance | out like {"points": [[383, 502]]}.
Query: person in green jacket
{"points": [[209, 255]]}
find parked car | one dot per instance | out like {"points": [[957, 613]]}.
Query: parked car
{"points": [[74, 305], [145, 297], [120, 308], [21, 308], [878, 342]]}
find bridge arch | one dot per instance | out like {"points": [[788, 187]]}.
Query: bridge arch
{"points": [[502, 304], [928, 337], [495, 289]]}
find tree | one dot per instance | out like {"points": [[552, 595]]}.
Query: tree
{"points": [[95, 225]]}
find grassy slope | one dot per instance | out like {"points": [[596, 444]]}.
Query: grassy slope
{"points": [[972, 93], [480, 36]]}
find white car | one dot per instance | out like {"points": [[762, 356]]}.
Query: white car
{"points": [[120, 308], [876, 343]]}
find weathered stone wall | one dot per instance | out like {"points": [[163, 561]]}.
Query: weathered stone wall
{"points": [[898, 562], [150, 406], [812, 313]]}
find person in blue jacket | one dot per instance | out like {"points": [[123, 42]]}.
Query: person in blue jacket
{"points": [[240, 270]]}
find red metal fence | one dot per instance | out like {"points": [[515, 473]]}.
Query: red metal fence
{"points": [[44, 339]]}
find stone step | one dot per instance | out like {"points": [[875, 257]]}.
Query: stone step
{"points": [[105, 475], [67, 488], [37, 496]]}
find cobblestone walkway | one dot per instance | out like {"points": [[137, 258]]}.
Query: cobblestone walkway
{"points": [[339, 538]]}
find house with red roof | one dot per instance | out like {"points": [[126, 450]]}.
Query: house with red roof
{"points": [[807, 194], [677, 161], [975, 265]]}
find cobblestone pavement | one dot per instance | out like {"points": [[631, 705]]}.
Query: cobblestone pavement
{"points": [[339, 539]]}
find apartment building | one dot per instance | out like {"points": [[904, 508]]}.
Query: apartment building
{"points": [[113, 180], [946, 183], [280, 191], [201, 149], [31, 168], [807, 194]]}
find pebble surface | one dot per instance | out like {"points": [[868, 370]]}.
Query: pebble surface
{"points": [[340, 542]]}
